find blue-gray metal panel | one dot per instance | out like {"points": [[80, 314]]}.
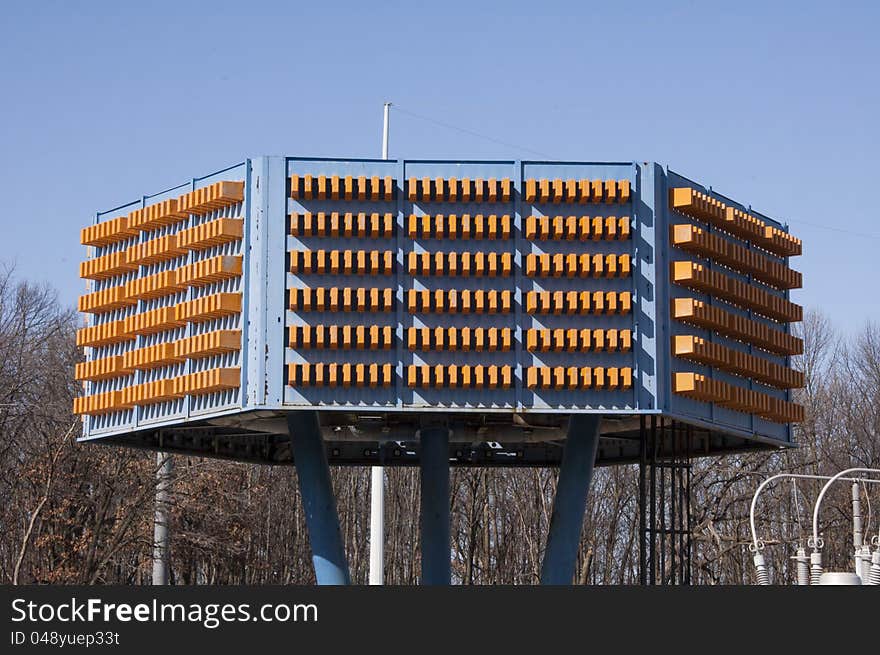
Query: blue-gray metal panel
{"points": [[207, 404], [324, 396], [591, 400], [175, 411], [735, 421], [275, 227], [519, 336], [651, 357], [400, 278], [248, 263], [257, 301], [123, 420], [458, 398]]}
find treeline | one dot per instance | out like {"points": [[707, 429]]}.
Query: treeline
{"points": [[79, 513]]}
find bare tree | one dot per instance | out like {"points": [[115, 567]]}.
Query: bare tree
{"points": [[83, 513]]}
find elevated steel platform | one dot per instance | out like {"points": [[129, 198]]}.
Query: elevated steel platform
{"points": [[389, 439]]}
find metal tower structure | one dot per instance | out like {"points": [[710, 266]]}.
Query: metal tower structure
{"points": [[665, 525], [317, 312]]}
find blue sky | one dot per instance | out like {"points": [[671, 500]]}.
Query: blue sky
{"points": [[773, 104]]}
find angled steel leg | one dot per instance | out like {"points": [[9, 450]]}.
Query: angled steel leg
{"points": [[575, 473], [434, 517], [313, 472]]}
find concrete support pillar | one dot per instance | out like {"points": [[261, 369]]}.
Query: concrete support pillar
{"points": [[434, 517], [575, 474], [319, 503], [161, 556]]}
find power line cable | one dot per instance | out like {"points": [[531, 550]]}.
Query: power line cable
{"points": [[464, 130], [840, 230], [508, 144]]}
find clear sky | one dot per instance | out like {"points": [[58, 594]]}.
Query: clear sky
{"points": [[776, 104]]}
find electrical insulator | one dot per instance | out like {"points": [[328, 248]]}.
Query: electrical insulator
{"points": [[803, 567], [874, 576], [863, 562], [815, 567], [761, 569]]}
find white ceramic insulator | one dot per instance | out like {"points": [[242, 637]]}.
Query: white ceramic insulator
{"points": [[803, 568], [815, 567], [874, 576], [761, 570]]}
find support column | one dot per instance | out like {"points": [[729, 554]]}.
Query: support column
{"points": [[575, 474], [319, 503], [161, 563], [377, 524], [434, 515]]}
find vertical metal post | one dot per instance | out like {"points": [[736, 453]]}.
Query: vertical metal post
{"points": [[662, 503], [682, 561], [673, 473], [575, 474], [653, 469], [161, 560], [690, 527], [377, 524], [319, 503], [386, 123], [434, 515], [377, 473], [643, 535]]}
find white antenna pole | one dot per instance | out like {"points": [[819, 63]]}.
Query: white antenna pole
{"points": [[377, 482], [385, 125]]}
